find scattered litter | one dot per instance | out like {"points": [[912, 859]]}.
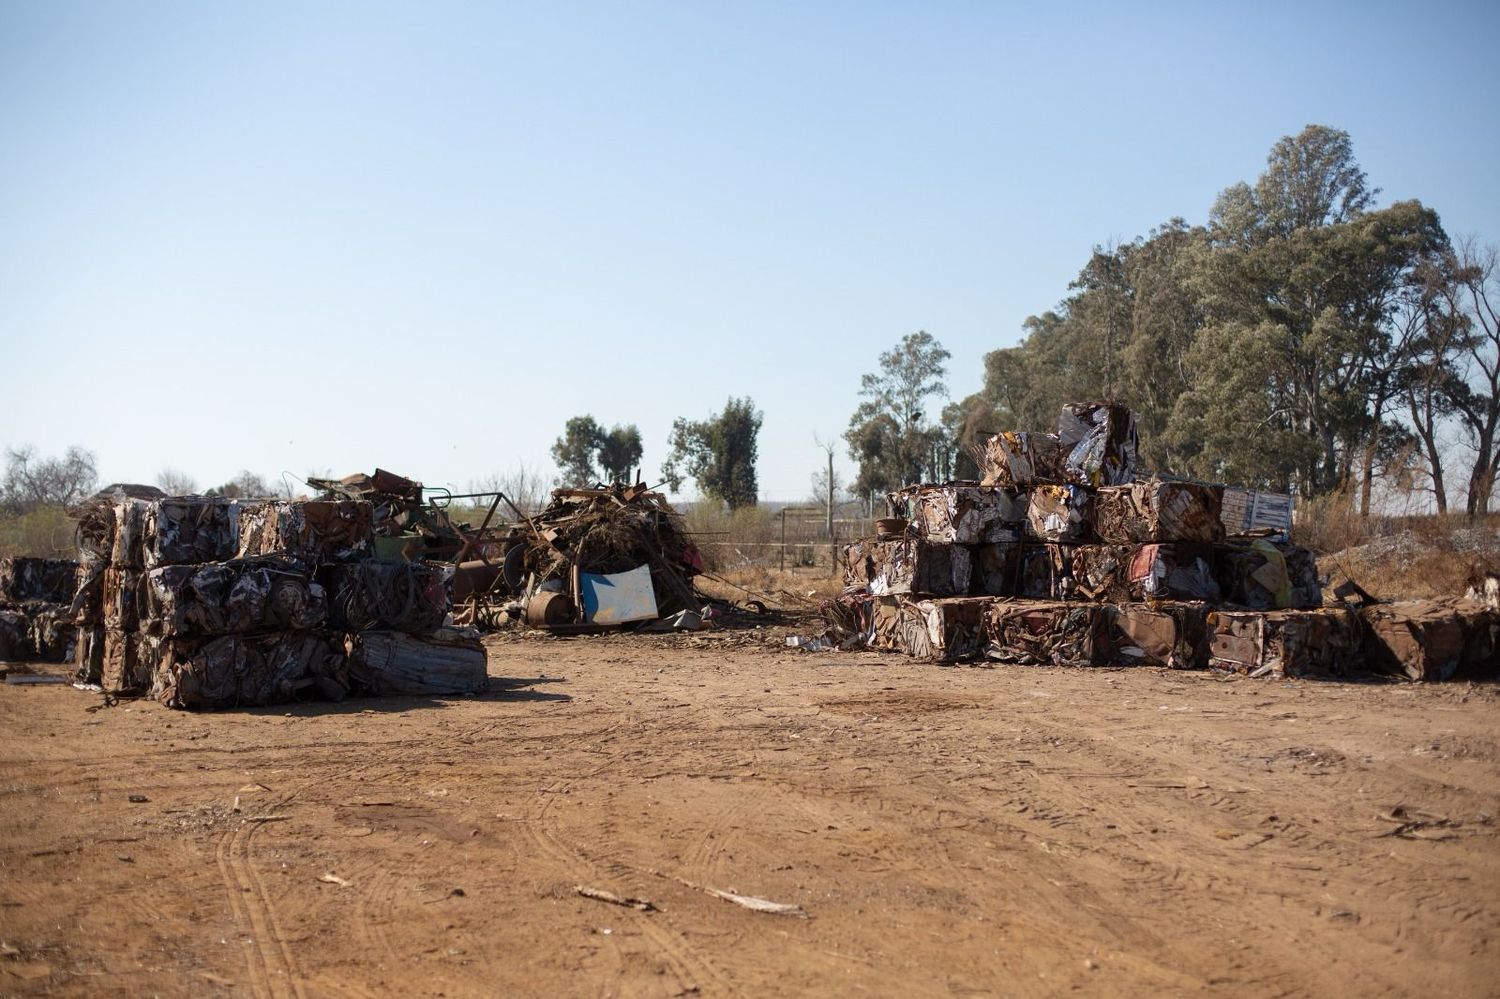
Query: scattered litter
{"points": [[334, 879]]}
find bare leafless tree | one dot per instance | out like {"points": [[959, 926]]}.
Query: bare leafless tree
{"points": [[32, 482]]}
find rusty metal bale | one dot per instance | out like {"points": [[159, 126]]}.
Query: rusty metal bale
{"points": [[448, 662], [129, 661], [336, 530], [88, 654], [388, 595], [270, 593], [250, 670], [1101, 443], [1045, 572], [1021, 459], [1059, 513], [1047, 633], [1174, 635], [1174, 571], [1431, 639], [1267, 575], [908, 565], [960, 512], [48, 580], [1320, 642], [189, 530], [995, 568], [1158, 510]]}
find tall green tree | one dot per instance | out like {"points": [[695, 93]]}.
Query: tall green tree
{"points": [[1299, 290], [576, 450], [587, 453], [620, 452], [718, 453], [890, 434]]}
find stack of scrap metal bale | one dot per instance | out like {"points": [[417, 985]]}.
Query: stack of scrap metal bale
{"points": [[597, 558], [1064, 554], [210, 602], [36, 620]]}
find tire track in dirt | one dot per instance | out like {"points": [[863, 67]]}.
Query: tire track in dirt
{"points": [[269, 961], [692, 971]]}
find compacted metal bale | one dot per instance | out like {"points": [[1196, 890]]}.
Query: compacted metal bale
{"points": [[960, 513], [905, 565], [1158, 510], [1315, 642]]}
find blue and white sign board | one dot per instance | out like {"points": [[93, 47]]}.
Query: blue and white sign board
{"points": [[617, 598]]}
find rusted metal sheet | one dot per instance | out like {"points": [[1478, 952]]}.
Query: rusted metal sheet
{"points": [[449, 662], [960, 513], [1048, 633], [1317, 642], [250, 670], [1429, 639], [322, 530], [1265, 575], [1019, 460], [1059, 513], [1101, 443], [1158, 510], [272, 593], [889, 566], [1174, 635], [50, 580]]}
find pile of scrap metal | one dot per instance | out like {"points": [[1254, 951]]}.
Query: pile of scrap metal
{"points": [[596, 559], [1064, 554], [36, 620], [208, 602], [404, 525]]}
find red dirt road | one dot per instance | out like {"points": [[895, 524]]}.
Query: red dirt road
{"points": [[947, 831]]}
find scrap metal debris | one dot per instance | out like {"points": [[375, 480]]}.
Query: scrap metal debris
{"points": [[36, 620], [208, 602], [1067, 554]]}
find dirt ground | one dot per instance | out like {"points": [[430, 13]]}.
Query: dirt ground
{"points": [[947, 831]]}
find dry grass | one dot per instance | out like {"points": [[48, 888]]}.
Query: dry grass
{"points": [[793, 589], [48, 532], [1415, 557]]}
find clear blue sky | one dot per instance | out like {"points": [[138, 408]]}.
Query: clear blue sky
{"points": [[330, 236]]}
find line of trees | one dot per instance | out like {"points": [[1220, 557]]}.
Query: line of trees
{"points": [[1302, 339]]}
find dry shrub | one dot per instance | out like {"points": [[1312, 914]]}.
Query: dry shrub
{"points": [[1418, 557], [732, 539], [790, 589], [47, 532], [1332, 523]]}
